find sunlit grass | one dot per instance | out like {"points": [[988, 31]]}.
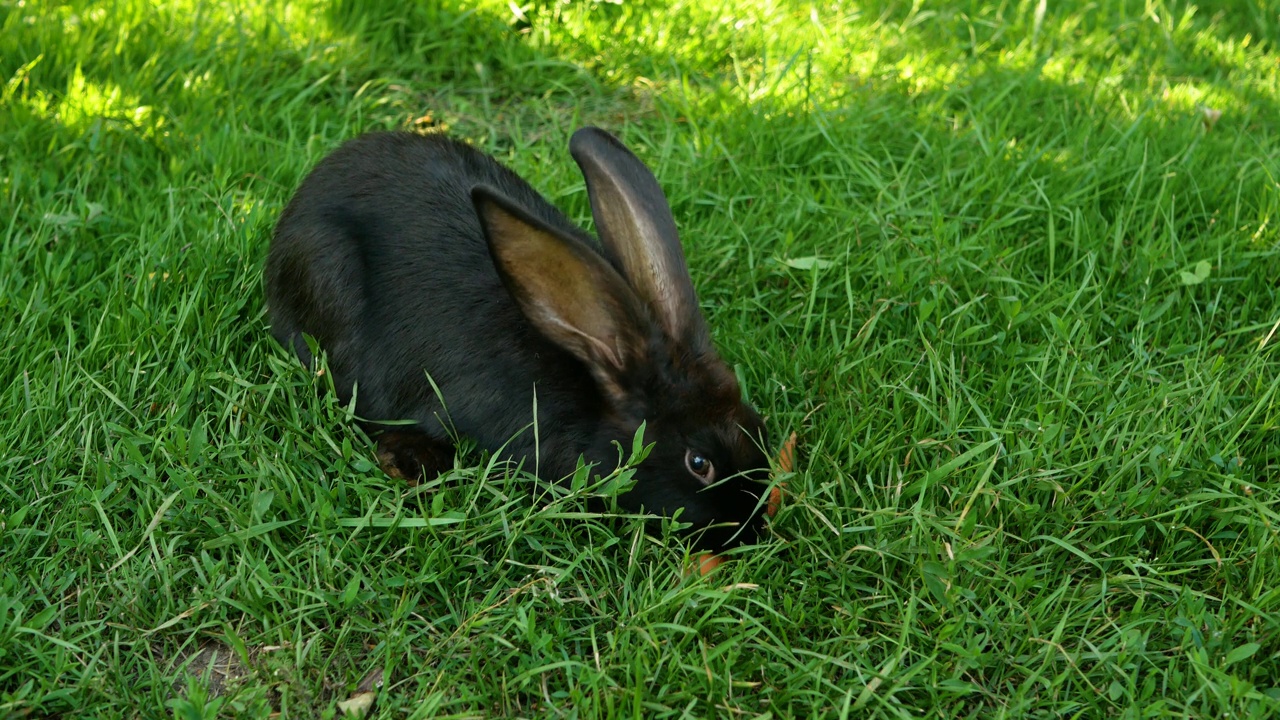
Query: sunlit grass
{"points": [[996, 263]]}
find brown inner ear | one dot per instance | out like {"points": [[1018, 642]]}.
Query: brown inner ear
{"points": [[566, 290]]}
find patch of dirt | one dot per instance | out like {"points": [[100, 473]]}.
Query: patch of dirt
{"points": [[218, 664]]}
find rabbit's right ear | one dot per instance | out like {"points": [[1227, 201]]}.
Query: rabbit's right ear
{"points": [[566, 290]]}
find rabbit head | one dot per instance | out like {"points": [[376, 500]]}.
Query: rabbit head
{"points": [[631, 317]]}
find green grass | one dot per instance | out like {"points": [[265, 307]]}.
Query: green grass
{"points": [[990, 262]]}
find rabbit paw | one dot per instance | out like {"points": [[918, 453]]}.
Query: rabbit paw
{"points": [[413, 456]]}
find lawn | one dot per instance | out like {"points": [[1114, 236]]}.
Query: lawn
{"points": [[1011, 272]]}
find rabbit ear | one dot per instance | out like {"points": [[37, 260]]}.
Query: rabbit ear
{"points": [[636, 226], [567, 291]]}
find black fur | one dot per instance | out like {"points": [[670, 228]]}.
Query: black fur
{"points": [[383, 258]]}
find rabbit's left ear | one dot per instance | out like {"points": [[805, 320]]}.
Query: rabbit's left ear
{"points": [[636, 226], [567, 291]]}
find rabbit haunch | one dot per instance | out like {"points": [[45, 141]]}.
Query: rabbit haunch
{"points": [[406, 256]]}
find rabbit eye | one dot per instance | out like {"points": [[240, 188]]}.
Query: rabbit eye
{"points": [[700, 466]]}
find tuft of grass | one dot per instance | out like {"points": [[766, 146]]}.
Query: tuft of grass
{"points": [[1009, 270]]}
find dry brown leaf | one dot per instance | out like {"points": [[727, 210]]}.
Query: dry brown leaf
{"points": [[357, 705]]}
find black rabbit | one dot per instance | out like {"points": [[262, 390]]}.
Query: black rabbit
{"points": [[406, 256]]}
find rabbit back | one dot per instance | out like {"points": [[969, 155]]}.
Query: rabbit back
{"points": [[380, 256]]}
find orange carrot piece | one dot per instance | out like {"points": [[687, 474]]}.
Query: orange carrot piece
{"points": [[786, 463], [708, 562], [787, 455]]}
